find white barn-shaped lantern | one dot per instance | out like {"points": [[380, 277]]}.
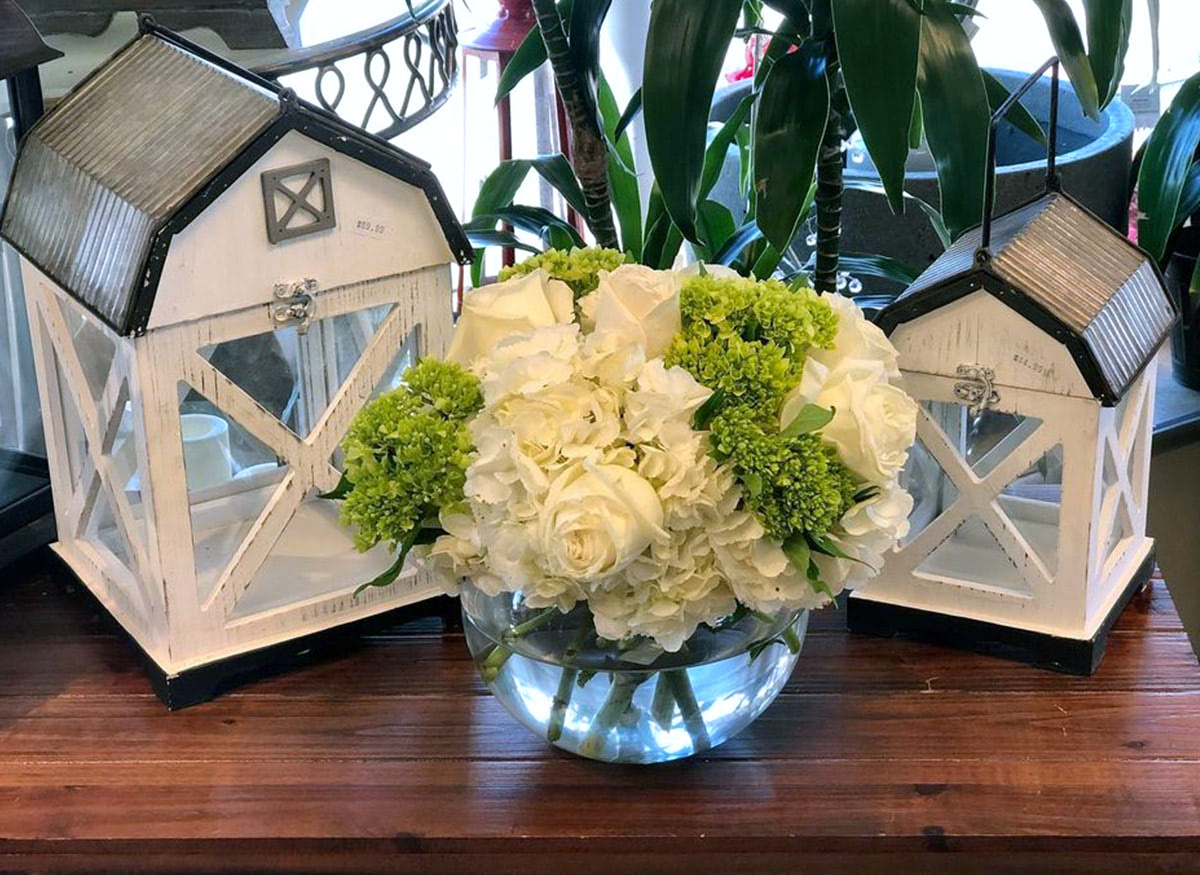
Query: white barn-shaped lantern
{"points": [[219, 277], [1030, 347]]}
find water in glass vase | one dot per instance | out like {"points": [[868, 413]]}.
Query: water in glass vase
{"points": [[628, 702]]}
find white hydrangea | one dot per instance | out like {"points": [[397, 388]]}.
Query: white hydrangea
{"points": [[589, 481]]}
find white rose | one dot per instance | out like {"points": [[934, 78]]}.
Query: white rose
{"points": [[596, 520], [857, 338], [874, 423], [868, 531], [638, 304], [517, 306]]}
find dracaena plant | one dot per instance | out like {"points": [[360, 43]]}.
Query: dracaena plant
{"points": [[1168, 177], [899, 71]]}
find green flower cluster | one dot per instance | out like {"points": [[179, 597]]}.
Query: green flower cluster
{"points": [[579, 268], [748, 342], [749, 338], [407, 453], [792, 483]]}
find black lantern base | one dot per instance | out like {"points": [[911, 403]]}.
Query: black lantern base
{"points": [[26, 508], [205, 682], [1066, 655]]}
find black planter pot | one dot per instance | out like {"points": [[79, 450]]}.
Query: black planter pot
{"points": [[1185, 337]]}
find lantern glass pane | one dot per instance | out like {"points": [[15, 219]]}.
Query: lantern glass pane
{"points": [[933, 492], [1120, 529], [230, 475], [295, 375], [989, 443], [973, 553]]}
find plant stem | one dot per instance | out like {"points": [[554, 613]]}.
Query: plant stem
{"points": [[589, 152], [830, 189], [681, 687], [662, 706], [620, 697], [531, 625], [792, 639], [566, 684], [491, 666]]}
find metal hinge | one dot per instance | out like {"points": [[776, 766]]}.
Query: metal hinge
{"points": [[294, 304], [976, 388]]}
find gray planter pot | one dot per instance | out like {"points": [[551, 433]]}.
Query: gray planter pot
{"points": [[1094, 159]]}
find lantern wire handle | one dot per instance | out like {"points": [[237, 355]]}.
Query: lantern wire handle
{"points": [[1053, 183]]}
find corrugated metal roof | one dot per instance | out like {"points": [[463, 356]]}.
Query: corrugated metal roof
{"points": [[103, 170], [1100, 287]]}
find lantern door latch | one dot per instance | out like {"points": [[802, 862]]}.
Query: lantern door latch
{"points": [[976, 388], [293, 304]]}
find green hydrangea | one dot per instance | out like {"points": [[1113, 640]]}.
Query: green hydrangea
{"points": [[749, 338], [407, 453], [579, 268], [751, 374], [445, 387], [791, 483]]}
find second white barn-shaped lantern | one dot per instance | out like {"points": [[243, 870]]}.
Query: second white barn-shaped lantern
{"points": [[1030, 346], [219, 277]]}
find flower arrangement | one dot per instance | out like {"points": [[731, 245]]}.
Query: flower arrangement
{"points": [[667, 448]]}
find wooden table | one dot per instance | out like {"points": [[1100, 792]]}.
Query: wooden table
{"points": [[880, 756]]}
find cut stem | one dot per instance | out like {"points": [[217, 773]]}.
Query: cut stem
{"points": [[492, 665], [616, 704], [530, 625], [685, 696], [566, 684]]}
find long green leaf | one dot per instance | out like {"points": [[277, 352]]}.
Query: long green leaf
{"points": [[741, 238], [878, 43], [792, 115], [632, 110], [1068, 44], [880, 266], [622, 180], [916, 126], [586, 19], [1018, 115], [954, 106], [685, 48], [1189, 196], [533, 220], [714, 155], [530, 55], [488, 237], [1108, 26], [499, 189], [1165, 165], [716, 227]]}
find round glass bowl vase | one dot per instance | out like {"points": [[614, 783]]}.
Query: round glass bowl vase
{"points": [[628, 702]]}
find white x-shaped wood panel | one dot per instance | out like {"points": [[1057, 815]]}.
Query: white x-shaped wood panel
{"points": [[978, 497], [1120, 436], [308, 459]]}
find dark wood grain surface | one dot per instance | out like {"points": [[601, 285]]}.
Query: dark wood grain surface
{"points": [[880, 756]]}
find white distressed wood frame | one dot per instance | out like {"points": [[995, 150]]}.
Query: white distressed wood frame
{"points": [[1056, 602], [158, 600]]}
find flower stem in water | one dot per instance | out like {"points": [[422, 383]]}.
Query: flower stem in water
{"points": [[491, 666], [566, 684], [681, 687], [531, 625], [620, 697], [662, 707]]}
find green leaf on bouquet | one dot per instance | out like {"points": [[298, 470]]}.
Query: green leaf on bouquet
{"points": [[421, 534], [798, 551], [815, 581], [343, 488], [753, 483], [709, 409], [823, 545], [756, 650], [866, 494], [810, 418]]}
